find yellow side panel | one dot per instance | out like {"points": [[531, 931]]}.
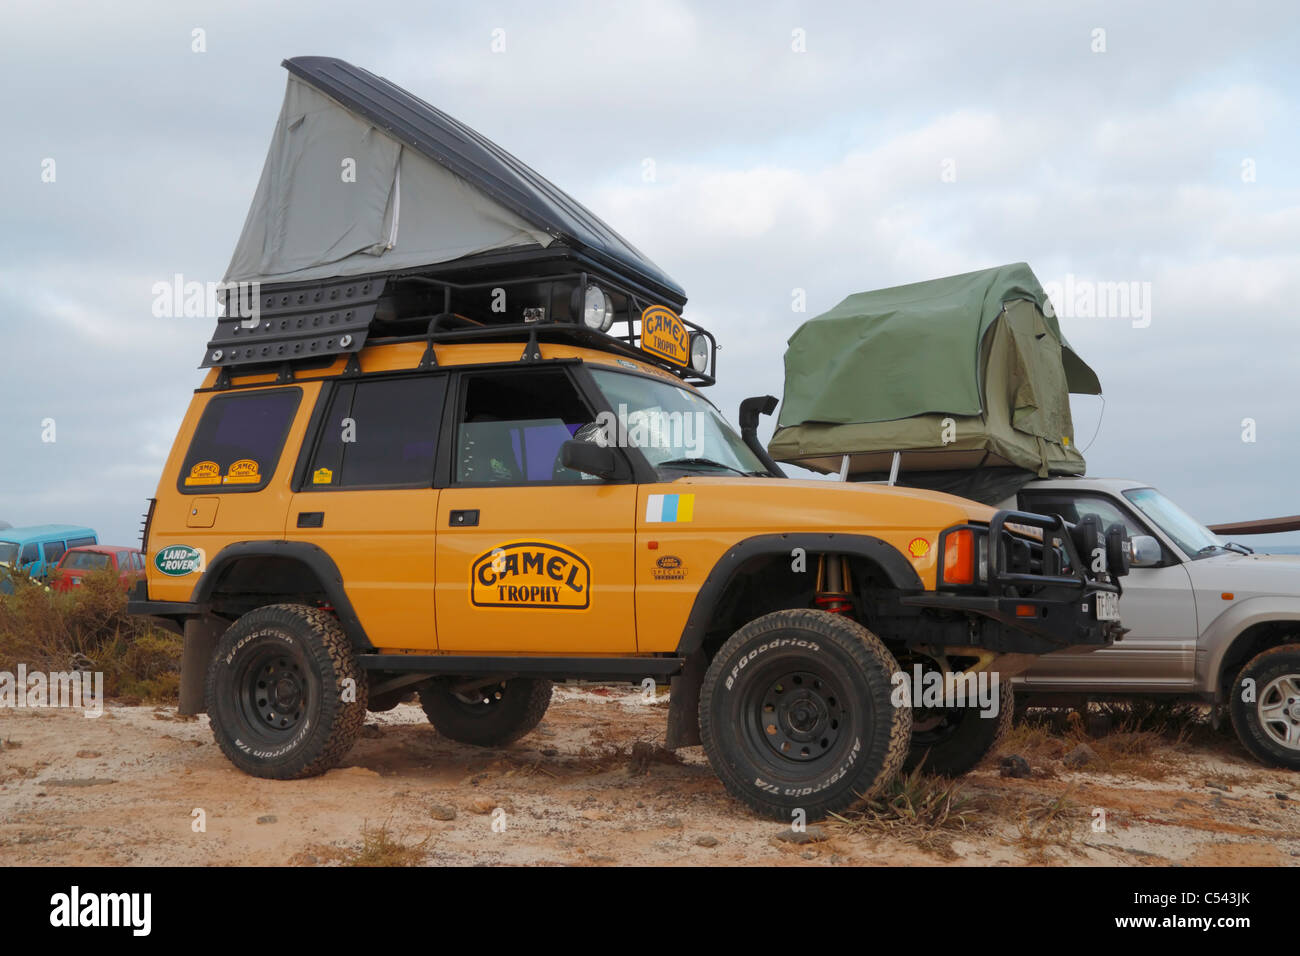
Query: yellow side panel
{"points": [[383, 545], [560, 582]]}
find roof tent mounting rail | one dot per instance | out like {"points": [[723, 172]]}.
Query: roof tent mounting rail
{"points": [[319, 320], [293, 321], [583, 335]]}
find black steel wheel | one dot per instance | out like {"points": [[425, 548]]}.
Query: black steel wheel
{"points": [[795, 714], [285, 696]]}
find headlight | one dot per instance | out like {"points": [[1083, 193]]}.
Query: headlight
{"points": [[699, 352], [597, 309]]}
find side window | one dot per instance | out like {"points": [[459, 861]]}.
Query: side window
{"points": [[379, 433], [512, 424], [30, 553], [237, 443], [137, 561], [1073, 507], [53, 551], [80, 542]]}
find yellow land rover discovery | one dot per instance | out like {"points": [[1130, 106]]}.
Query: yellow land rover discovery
{"points": [[467, 478]]}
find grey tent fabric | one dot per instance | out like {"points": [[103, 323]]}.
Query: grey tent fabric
{"points": [[400, 210]]}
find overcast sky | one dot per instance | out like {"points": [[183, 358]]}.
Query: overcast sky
{"points": [[828, 147]]}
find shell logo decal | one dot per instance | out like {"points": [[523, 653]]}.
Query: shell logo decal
{"points": [[918, 547]]}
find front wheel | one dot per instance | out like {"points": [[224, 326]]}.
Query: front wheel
{"points": [[285, 695], [795, 714], [1268, 724]]}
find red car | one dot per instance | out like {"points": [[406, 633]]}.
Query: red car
{"points": [[85, 559]]}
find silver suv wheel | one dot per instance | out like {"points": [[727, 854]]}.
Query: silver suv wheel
{"points": [[1278, 709]]}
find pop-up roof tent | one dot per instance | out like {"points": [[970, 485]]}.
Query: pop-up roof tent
{"points": [[967, 377], [373, 200]]}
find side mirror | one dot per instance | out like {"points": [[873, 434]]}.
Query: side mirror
{"points": [[589, 458], [1146, 551]]}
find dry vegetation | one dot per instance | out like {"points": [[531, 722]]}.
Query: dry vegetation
{"points": [[87, 629]]}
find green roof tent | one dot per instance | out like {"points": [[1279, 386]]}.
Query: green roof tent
{"points": [[967, 377]]}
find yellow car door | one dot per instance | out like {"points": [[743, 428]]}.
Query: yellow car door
{"points": [[533, 558]]}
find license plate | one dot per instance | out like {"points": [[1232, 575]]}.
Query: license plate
{"points": [[1107, 606]]}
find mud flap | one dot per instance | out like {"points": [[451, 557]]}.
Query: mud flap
{"points": [[201, 636], [684, 703]]}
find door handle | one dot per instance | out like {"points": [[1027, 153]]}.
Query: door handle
{"points": [[467, 518]]}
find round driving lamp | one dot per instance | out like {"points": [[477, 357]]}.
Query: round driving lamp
{"points": [[597, 309], [699, 352]]}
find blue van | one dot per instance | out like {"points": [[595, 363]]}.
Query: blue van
{"points": [[37, 548]]}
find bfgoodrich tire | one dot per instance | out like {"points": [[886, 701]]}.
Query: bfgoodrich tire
{"points": [[489, 716], [795, 714], [1269, 725], [276, 691]]}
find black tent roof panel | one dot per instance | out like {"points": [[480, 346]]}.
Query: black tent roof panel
{"points": [[483, 163]]}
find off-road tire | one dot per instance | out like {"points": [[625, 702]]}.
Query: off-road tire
{"points": [[296, 723], [795, 714], [505, 712], [1269, 670], [966, 738]]}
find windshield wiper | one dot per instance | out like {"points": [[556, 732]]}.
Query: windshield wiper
{"points": [[1239, 548], [699, 463]]}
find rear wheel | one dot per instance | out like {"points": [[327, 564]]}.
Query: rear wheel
{"points": [[795, 714], [488, 715], [952, 740], [285, 696], [1269, 725]]}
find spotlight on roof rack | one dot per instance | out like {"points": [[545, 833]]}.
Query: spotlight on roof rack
{"points": [[699, 352], [597, 308]]}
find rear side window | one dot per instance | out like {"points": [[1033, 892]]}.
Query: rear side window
{"points": [[86, 561], [80, 542], [237, 444], [381, 433], [53, 551]]}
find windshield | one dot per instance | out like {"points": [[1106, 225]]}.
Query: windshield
{"points": [[676, 429], [8, 552], [85, 561], [1190, 535]]}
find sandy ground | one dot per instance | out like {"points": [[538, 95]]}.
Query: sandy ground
{"points": [[588, 787]]}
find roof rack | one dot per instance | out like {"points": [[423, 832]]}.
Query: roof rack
{"points": [[293, 323]]}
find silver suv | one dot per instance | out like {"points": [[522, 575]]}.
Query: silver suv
{"points": [[1208, 619]]}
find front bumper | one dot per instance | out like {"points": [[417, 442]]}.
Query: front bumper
{"points": [[1050, 604]]}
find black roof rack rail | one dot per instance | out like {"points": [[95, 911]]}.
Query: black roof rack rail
{"points": [[286, 322], [296, 322]]}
